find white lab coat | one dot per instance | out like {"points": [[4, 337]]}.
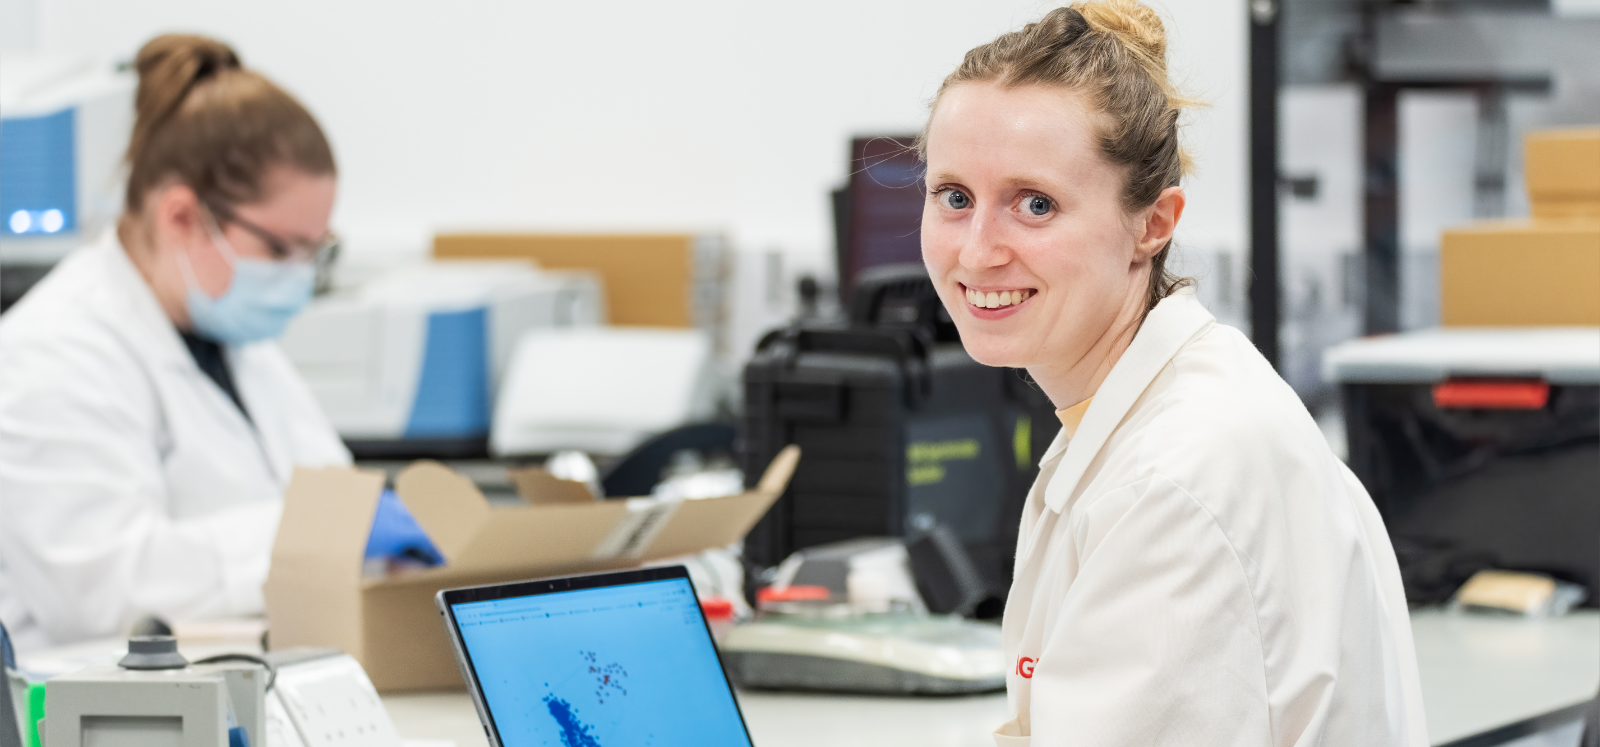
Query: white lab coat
{"points": [[130, 484], [1195, 567]]}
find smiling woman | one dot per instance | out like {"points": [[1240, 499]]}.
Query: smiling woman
{"points": [[1106, 118], [1195, 567]]}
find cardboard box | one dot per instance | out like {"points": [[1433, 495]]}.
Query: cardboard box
{"points": [[1520, 273], [1562, 171], [1563, 164], [316, 594], [653, 280]]}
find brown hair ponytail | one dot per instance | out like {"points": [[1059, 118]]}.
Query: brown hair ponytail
{"points": [[205, 120], [1114, 52]]}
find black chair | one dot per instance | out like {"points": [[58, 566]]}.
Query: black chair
{"points": [[639, 471]]}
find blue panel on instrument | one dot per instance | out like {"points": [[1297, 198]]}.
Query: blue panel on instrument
{"points": [[453, 388], [38, 174]]}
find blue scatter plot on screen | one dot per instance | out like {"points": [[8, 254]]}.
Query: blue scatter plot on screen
{"points": [[627, 666], [574, 733]]}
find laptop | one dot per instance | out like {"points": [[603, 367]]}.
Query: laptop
{"points": [[603, 660]]}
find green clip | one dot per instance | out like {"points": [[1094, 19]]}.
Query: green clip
{"points": [[1022, 443], [35, 712]]}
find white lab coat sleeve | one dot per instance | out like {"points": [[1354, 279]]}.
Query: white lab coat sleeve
{"points": [[1156, 640], [88, 539]]}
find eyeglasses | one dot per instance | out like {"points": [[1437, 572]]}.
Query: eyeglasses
{"points": [[318, 252]]}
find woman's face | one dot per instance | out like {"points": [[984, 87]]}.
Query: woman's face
{"points": [[295, 211], [1023, 231]]}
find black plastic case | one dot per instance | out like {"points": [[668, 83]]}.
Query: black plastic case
{"points": [[1462, 489], [899, 429]]}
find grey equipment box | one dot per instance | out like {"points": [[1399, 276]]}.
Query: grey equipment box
{"points": [[1480, 447], [186, 707]]}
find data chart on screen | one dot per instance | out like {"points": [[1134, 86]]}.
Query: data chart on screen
{"points": [[617, 666]]}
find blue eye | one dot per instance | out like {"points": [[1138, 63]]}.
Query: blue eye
{"points": [[1037, 205], [955, 199]]}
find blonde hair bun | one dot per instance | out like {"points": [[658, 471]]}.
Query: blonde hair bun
{"points": [[204, 119], [169, 66], [1133, 23]]}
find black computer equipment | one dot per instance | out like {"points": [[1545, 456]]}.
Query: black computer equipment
{"points": [[901, 429]]}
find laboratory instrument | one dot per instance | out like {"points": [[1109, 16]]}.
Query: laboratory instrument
{"points": [[891, 653], [64, 124], [408, 364], [603, 390], [155, 697], [853, 616]]}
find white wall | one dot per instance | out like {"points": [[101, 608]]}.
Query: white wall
{"points": [[632, 115], [19, 26]]}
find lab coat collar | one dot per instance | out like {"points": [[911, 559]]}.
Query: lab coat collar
{"points": [[158, 339], [1167, 328], [139, 302]]}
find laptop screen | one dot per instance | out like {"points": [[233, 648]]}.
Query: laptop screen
{"points": [[630, 664]]}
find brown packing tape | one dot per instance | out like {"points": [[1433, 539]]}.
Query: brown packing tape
{"points": [[313, 588], [648, 278]]}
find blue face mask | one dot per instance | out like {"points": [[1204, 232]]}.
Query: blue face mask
{"points": [[257, 305]]}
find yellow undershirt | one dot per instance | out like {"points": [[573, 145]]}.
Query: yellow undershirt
{"points": [[1072, 416]]}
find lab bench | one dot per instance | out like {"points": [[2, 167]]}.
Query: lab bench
{"points": [[1478, 673]]}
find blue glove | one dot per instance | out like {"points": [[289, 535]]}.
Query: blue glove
{"points": [[396, 536]]}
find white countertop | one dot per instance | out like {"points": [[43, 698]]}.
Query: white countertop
{"points": [[1477, 673], [775, 719], [1561, 355]]}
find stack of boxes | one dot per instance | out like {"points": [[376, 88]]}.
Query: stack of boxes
{"points": [[1544, 271]]}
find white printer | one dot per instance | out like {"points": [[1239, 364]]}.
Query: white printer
{"points": [[409, 363], [603, 390]]}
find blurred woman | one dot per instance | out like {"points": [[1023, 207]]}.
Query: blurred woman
{"points": [[148, 425], [1195, 566]]}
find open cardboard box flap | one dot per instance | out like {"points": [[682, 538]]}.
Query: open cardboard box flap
{"points": [[316, 594], [538, 486]]}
